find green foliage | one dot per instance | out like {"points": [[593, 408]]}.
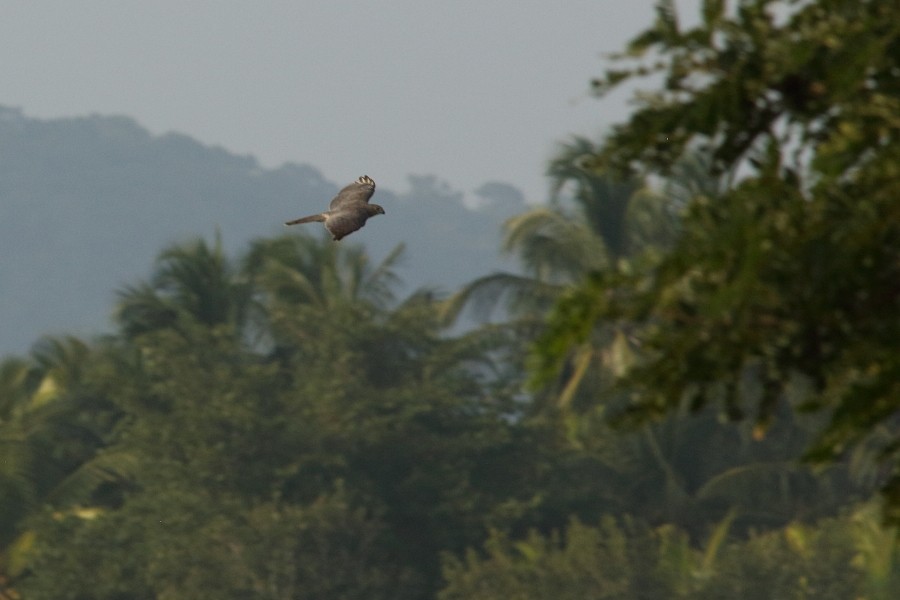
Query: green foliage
{"points": [[610, 561], [328, 440], [287, 412], [631, 561], [782, 287], [53, 430], [175, 541], [193, 285], [594, 223], [286, 425]]}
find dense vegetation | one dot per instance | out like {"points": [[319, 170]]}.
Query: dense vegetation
{"points": [[710, 410]]}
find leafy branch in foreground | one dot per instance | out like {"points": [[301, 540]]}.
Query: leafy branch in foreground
{"points": [[786, 287]]}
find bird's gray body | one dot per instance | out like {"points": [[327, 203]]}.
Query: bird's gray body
{"points": [[348, 211]]}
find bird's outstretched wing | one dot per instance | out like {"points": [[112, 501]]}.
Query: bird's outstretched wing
{"points": [[354, 194]]}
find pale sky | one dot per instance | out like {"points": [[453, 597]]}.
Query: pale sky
{"points": [[470, 91]]}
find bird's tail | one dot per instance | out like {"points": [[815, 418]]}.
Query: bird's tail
{"points": [[309, 219]]}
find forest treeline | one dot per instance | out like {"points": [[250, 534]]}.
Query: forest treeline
{"points": [[690, 389]]}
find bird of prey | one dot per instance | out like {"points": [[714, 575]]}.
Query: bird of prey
{"points": [[348, 211]]}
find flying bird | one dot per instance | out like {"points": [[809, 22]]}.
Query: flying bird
{"points": [[348, 211]]}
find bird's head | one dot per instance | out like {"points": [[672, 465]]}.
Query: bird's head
{"points": [[375, 209]]}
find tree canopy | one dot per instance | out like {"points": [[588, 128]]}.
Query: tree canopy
{"points": [[783, 287]]}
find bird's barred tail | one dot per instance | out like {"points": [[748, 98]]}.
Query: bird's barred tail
{"points": [[308, 219], [366, 180]]}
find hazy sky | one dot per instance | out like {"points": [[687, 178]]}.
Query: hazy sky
{"points": [[470, 91]]}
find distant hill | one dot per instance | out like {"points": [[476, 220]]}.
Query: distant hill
{"points": [[87, 203]]}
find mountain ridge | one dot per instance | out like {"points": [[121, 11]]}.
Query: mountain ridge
{"points": [[88, 202]]}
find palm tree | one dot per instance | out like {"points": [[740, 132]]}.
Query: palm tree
{"points": [[48, 425], [595, 222], [561, 243], [595, 226], [605, 200], [303, 284], [194, 284], [55, 423], [315, 272]]}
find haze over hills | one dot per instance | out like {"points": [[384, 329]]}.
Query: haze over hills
{"points": [[87, 203]]}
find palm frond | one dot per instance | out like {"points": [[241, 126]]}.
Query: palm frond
{"points": [[379, 284], [106, 467], [64, 357], [573, 163], [485, 294], [553, 246], [18, 380]]}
